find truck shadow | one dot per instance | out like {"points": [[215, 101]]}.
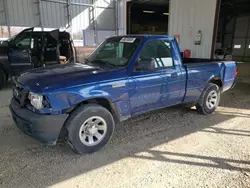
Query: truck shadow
{"points": [[189, 159], [227, 131], [134, 136], [131, 139]]}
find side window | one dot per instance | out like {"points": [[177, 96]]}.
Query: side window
{"points": [[25, 42], [22, 41], [160, 51]]}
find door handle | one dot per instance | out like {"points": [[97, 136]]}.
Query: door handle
{"points": [[174, 75]]}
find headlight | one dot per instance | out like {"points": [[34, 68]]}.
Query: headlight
{"points": [[36, 100]]}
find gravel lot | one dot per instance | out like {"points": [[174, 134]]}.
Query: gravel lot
{"points": [[168, 148]]}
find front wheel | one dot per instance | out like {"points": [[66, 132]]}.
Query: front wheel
{"points": [[89, 128], [209, 99]]}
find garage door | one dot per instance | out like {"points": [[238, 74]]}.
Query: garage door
{"points": [[241, 47]]}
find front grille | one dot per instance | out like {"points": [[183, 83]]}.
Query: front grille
{"points": [[21, 95]]}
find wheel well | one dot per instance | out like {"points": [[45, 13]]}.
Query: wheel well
{"points": [[216, 81], [106, 104]]}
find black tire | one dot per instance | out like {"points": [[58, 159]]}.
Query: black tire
{"points": [[75, 122], [201, 106], [3, 78], [7, 78]]}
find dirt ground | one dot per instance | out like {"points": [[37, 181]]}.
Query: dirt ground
{"points": [[171, 147]]}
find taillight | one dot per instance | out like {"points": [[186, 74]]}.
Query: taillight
{"points": [[236, 72]]}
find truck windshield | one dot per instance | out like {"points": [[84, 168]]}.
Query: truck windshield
{"points": [[115, 51]]}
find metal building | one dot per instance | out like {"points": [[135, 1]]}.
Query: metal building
{"points": [[91, 21], [87, 20], [186, 18]]}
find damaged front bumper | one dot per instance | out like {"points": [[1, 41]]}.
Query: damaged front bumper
{"points": [[44, 128]]}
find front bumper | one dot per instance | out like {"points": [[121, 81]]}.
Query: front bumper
{"points": [[44, 128]]}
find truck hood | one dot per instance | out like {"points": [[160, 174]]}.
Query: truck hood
{"points": [[59, 76]]}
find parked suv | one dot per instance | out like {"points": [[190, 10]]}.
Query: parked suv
{"points": [[32, 49]]}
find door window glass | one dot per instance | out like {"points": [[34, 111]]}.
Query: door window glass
{"points": [[159, 51], [22, 41]]}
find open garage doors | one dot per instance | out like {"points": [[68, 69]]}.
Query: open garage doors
{"points": [[233, 38], [147, 16], [241, 42]]}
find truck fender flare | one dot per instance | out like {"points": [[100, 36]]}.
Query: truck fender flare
{"points": [[217, 81], [103, 101]]}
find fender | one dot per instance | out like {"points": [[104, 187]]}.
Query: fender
{"points": [[216, 80], [66, 102]]}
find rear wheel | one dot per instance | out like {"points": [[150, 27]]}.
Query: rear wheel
{"points": [[89, 128], [3, 78], [209, 99]]}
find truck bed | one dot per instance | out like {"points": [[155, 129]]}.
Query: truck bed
{"points": [[201, 70], [189, 62]]}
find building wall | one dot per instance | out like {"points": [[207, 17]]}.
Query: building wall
{"points": [[186, 18], [189, 16], [95, 18], [19, 13], [2, 16]]}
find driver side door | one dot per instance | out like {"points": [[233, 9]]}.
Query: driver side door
{"points": [[148, 85], [19, 53]]}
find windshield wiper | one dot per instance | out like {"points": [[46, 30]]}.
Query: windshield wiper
{"points": [[101, 62]]}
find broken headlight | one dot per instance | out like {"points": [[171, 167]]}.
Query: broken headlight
{"points": [[36, 100]]}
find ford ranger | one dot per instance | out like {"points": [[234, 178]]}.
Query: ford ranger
{"points": [[124, 77]]}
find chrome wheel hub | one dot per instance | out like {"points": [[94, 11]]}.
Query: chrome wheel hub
{"points": [[212, 98], [93, 131]]}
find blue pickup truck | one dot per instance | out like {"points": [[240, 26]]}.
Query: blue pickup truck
{"points": [[124, 77]]}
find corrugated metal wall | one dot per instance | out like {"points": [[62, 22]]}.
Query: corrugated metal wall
{"points": [[54, 14], [82, 16], [2, 13], [95, 16], [22, 13], [189, 16]]}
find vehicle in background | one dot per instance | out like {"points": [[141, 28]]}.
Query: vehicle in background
{"points": [[3, 40], [4, 64], [32, 49], [223, 54], [124, 77]]}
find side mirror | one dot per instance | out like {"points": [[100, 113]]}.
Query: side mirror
{"points": [[145, 65]]}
